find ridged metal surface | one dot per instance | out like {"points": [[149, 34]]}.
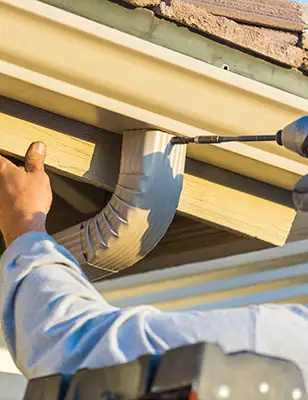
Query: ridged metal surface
{"points": [[70, 238], [141, 209]]}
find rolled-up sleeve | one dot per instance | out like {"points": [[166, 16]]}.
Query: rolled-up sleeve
{"points": [[54, 320], [52, 317]]}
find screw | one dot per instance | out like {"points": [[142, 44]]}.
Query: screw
{"points": [[297, 394], [264, 387], [224, 392]]}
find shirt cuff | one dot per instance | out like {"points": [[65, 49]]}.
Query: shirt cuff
{"points": [[33, 243], [23, 244]]}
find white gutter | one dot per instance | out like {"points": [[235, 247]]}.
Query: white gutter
{"points": [[81, 69]]}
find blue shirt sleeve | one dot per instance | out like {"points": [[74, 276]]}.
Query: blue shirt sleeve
{"points": [[55, 321]]}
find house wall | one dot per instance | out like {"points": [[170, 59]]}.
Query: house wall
{"points": [[278, 275], [12, 383]]}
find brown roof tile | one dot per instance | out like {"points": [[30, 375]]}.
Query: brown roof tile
{"points": [[305, 40], [304, 8], [281, 14], [278, 45], [143, 3], [274, 29]]}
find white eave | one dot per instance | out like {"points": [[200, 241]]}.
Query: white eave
{"points": [[78, 68]]}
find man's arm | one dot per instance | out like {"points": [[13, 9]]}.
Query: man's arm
{"points": [[55, 322], [47, 306], [52, 316]]}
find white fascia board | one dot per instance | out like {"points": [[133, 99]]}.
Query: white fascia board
{"points": [[72, 66]]}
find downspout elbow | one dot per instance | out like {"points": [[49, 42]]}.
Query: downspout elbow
{"points": [[140, 210]]}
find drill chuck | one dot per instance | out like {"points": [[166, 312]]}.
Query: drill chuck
{"points": [[294, 137]]}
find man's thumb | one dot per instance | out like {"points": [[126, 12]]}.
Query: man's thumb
{"points": [[35, 157]]}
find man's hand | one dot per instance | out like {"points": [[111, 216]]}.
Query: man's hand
{"points": [[25, 194]]}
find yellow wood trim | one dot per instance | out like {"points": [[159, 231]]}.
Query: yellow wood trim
{"points": [[74, 149], [209, 194]]}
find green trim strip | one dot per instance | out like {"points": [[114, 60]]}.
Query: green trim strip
{"points": [[143, 24]]}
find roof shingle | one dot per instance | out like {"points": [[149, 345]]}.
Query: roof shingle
{"points": [[274, 29], [271, 13], [279, 45]]}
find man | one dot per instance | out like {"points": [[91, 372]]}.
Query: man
{"points": [[54, 320]]}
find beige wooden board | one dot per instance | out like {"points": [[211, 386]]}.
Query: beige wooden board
{"points": [[227, 199], [209, 193]]}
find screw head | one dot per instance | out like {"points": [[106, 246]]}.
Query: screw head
{"points": [[223, 392], [297, 394], [264, 388]]}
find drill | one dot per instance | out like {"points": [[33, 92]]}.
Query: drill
{"points": [[293, 137]]}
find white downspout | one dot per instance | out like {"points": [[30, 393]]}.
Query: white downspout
{"points": [[140, 210]]}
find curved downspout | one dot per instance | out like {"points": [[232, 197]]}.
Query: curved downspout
{"points": [[140, 210]]}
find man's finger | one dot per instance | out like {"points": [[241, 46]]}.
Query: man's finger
{"points": [[35, 157], [4, 163]]}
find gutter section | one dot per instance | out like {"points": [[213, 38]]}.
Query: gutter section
{"points": [[150, 87]]}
